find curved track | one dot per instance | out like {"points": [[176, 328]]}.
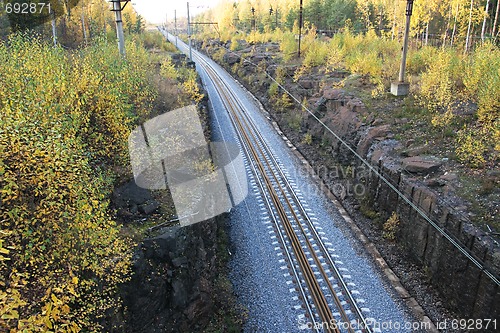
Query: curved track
{"points": [[326, 297]]}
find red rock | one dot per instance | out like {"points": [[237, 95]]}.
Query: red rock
{"points": [[421, 164]]}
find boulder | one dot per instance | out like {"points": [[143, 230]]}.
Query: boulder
{"points": [[130, 193], [174, 277], [415, 151], [334, 94], [231, 58], [421, 164], [449, 177], [149, 208], [355, 105], [374, 133], [131, 199], [307, 83]]}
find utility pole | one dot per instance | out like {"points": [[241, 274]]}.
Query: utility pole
{"points": [[175, 26], [300, 25], [119, 23], [189, 35], [401, 88]]}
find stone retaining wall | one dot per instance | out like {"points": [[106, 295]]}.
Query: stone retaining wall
{"points": [[462, 284]]}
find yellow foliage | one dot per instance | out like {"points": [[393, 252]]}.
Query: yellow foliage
{"points": [[284, 102], [167, 69], [471, 147], [288, 46], [482, 81], [438, 90], [64, 120], [192, 89], [235, 45], [391, 227], [365, 55]]}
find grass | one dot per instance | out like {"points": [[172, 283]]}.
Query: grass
{"points": [[366, 208], [481, 190], [155, 40]]}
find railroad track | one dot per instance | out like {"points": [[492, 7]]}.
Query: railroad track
{"points": [[328, 302]]}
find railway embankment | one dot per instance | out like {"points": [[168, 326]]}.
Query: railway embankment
{"points": [[427, 246]]}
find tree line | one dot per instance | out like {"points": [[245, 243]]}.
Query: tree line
{"points": [[446, 21], [68, 22]]}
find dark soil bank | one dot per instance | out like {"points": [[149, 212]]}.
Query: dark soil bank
{"points": [[173, 286]]}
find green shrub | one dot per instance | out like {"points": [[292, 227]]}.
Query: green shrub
{"points": [[391, 227], [471, 147], [307, 139], [294, 120], [64, 123], [418, 61], [482, 81], [273, 90]]}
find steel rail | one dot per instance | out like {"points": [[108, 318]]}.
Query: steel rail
{"points": [[245, 125], [345, 290], [318, 296], [279, 232], [315, 233]]}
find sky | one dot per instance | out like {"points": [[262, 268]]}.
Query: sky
{"points": [[155, 11]]}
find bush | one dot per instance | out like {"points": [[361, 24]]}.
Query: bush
{"points": [[273, 90], [316, 54], [307, 139], [439, 84], [482, 81], [235, 45], [284, 102], [189, 85], [167, 69], [419, 61], [155, 40], [471, 147], [64, 122], [366, 55], [391, 227], [288, 46]]}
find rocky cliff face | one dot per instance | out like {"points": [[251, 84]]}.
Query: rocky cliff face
{"points": [[173, 286], [420, 177], [464, 287]]}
